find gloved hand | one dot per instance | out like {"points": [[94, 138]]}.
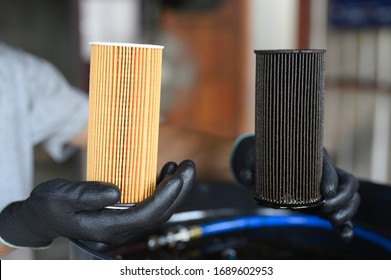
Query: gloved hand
{"points": [[339, 188], [341, 198], [77, 210]]}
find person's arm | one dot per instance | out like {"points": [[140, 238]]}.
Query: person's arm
{"points": [[80, 139], [4, 250], [211, 153], [57, 110]]}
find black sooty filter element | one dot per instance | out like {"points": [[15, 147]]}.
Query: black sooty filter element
{"points": [[289, 127]]}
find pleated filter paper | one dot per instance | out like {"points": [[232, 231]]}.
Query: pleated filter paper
{"points": [[123, 120]]}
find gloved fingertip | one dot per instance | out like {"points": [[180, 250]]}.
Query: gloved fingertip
{"points": [[346, 232], [186, 164], [167, 170], [113, 193], [186, 171], [95, 195], [169, 167]]}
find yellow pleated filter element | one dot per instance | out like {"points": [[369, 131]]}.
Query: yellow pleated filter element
{"points": [[123, 120]]}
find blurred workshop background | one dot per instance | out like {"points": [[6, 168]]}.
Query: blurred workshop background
{"points": [[209, 64]]}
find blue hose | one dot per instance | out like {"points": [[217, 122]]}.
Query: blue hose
{"points": [[251, 222]]}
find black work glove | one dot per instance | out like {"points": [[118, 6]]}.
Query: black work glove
{"points": [[339, 188], [341, 198], [77, 210]]}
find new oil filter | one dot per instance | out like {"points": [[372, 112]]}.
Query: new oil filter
{"points": [[123, 120], [289, 127]]}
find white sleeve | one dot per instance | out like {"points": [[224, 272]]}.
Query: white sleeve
{"points": [[59, 111]]}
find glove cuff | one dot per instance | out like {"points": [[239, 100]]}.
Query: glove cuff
{"points": [[239, 150], [21, 247]]}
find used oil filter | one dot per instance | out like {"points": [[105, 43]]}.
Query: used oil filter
{"points": [[289, 127]]}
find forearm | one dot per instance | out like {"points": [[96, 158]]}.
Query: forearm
{"points": [[4, 250], [80, 139]]}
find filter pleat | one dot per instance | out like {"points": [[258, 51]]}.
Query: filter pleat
{"points": [[124, 104], [289, 127]]}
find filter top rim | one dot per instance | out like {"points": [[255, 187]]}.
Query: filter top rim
{"points": [[278, 51], [131, 45]]}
